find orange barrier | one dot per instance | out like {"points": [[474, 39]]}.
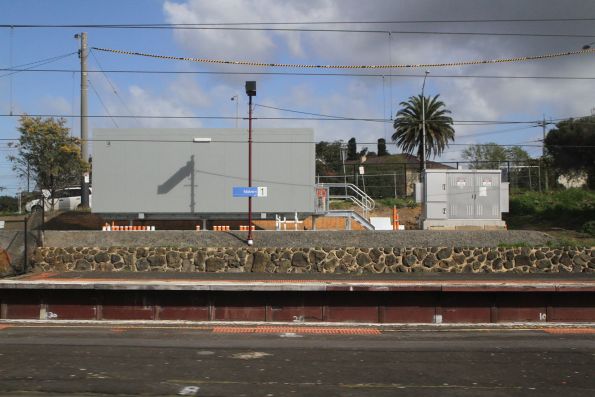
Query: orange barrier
{"points": [[395, 218], [244, 228], [116, 228]]}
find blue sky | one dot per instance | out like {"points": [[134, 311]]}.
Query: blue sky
{"points": [[365, 97]]}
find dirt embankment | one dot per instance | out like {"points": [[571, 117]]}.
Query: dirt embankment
{"points": [[79, 220]]}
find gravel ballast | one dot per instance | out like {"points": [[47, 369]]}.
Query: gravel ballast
{"points": [[301, 239]]}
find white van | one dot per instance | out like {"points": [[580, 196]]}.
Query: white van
{"points": [[66, 199]]}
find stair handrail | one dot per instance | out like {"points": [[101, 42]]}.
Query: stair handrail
{"points": [[362, 199]]}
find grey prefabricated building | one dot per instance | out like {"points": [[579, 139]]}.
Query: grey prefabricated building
{"points": [[163, 171], [455, 198]]}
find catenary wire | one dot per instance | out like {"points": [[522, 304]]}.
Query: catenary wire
{"points": [[397, 21], [456, 122], [330, 74], [315, 66], [298, 142], [316, 30]]}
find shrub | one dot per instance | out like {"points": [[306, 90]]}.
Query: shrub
{"points": [[589, 228]]}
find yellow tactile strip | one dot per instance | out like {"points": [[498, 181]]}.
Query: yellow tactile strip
{"points": [[296, 330], [562, 331]]}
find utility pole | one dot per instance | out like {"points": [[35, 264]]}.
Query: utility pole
{"points": [[83, 54]]}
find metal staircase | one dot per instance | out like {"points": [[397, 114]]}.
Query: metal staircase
{"points": [[351, 215], [349, 191]]}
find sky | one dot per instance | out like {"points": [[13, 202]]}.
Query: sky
{"points": [[328, 92]]}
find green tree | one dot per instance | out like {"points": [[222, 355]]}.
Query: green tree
{"points": [[51, 154], [570, 146], [491, 155], [408, 127], [484, 156], [382, 147], [352, 149], [9, 204], [328, 158], [517, 155]]}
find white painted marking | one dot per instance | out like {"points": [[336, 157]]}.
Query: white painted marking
{"points": [[290, 335], [189, 391], [250, 355], [542, 316]]}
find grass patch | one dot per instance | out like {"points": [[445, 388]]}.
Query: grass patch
{"points": [[518, 244], [398, 202], [567, 209], [340, 205]]}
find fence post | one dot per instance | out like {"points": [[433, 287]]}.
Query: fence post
{"points": [[26, 238], [395, 180], [405, 179], [539, 175]]}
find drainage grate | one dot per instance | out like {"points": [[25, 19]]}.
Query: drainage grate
{"points": [[296, 330]]}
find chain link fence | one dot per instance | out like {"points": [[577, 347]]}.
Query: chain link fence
{"points": [[18, 240], [397, 180]]}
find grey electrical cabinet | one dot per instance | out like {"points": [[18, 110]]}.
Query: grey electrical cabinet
{"points": [[459, 198], [193, 172]]}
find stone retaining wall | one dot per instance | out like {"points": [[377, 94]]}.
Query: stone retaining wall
{"points": [[315, 260]]}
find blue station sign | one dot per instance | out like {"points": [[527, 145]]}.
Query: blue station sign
{"points": [[245, 191]]}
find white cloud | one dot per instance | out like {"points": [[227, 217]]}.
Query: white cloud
{"points": [[469, 99], [145, 103], [56, 105]]}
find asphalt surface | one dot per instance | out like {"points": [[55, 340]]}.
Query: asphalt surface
{"points": [[169, 362], [300, 239]]}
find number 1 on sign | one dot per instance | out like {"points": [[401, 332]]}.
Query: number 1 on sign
{"points": [[262, 191]]}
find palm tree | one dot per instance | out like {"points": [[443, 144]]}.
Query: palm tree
{"points": [[408, 127]]}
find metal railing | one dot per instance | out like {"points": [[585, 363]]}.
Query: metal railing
{"points": [[350, 192]]}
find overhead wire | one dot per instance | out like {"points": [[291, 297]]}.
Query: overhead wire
{"points": [[114, 90], [103, 104], [394, 21], [315, 66], [329, 74], [328, 118], [242, 141], [274, 29], [16, 69]]}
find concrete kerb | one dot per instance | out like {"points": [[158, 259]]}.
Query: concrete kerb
{"points": [[384, 327]]}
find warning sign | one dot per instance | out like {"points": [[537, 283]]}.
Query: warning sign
{"points": [[461, 182]]}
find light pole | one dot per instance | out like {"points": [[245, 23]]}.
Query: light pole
{"points": [[237, 101], [422, 177], [250, 91]]}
